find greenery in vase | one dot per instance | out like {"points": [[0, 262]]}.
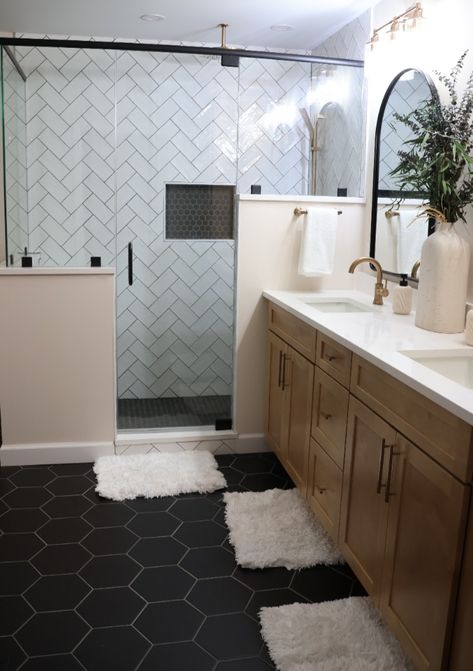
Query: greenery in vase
{"points": [[438, 159]]}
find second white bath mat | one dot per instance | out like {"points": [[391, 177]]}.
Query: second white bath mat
{"points": [[276, 528], [159, 474]]}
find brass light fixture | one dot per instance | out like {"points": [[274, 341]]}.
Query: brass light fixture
{"points": [[405, 21]]}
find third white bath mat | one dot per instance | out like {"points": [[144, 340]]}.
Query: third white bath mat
{"points": [[343, 635], [276, 528]]}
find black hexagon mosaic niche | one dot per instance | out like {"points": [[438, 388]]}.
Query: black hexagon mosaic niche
{"points": [[199, 212]]}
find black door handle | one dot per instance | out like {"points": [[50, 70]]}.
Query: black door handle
{"points": [[130, 263]]}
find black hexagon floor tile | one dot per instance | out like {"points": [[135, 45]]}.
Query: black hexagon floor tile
{"points": [[22, 519], [5, 486], [108, 515], [31, 477], [158, 551], [225, 459], [219, 595], [70, 469], [147, 525], [230, 636], [201, 534], [117, 648], [8, 471], [18, 547], [168, 622], [182, 656], [64, 530], [57, 592], [188, 510], [15, 612], [253, 463], [52, 633], [10, 653], [268, 578], [321, 583], [163, 583], [64, 558], [27, 497], [232, 476], [209, 562], [69, 484], [144, 505], [259, 482], [16, 577], [111, 607], [110, 571], [67, 506], [249, 664], [272, 597], [109, 541]]}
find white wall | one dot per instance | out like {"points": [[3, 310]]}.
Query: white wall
{"points": [[57, 363], [268, 248]]}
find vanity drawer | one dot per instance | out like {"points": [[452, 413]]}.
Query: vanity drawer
{"points": [[297, 333], [325, 489], [442, 435], [329, 415], [333, 358]]}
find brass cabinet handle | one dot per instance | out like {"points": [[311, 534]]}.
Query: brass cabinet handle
{"points": [[333, 357], [392, 454], [326, 415], [380, 466], [285, 359], [280, 368], [321, 489]]}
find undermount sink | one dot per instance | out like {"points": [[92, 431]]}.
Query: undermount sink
{"points": [[337, 305], [456, 365]]}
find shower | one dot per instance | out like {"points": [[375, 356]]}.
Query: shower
{"points": [[313, 129]]}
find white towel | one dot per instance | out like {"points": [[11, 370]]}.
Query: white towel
{"points": [[411, 235], [319, 235]]}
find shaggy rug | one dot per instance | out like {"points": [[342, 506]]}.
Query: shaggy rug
{"points": [[276, 528], [160, 474], [343, 635]]}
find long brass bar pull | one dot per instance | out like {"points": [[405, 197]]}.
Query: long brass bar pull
{"points": [[280, 369], [285, 359], [380, 467], [388, 491]]}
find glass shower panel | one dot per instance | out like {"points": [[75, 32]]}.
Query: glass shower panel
{"points": [[70, 125], [274, 144], [14, 238], [176, 126], [337, 110]]}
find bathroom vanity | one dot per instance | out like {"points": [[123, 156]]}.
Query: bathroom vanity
{"points": [[380, 445]]}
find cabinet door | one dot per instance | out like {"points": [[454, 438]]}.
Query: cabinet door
{"points": [[298, 381], [276, 423], [324, 489], [426, 528], [364, 511]]}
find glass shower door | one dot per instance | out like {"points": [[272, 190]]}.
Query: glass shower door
{"points": [[176, 153]]}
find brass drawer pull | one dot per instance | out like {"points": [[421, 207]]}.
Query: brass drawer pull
{"points": [[280, 369], [380, 466], [285, 359], [392, 454], [326, 415], [321, 489], [332, 357]]}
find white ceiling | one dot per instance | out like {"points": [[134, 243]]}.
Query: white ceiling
{"points": [[186, 20]]}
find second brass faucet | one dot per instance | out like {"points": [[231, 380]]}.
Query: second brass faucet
{"points": [[380, 291]]}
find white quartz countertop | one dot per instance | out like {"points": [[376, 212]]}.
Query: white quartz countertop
{"points": [[379, 336]]}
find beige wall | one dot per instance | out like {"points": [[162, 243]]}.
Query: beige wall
{"points": [[268, 247], [57, 358]]}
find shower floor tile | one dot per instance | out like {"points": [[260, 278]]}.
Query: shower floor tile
{"points": [[127, 593], [162, 413]]}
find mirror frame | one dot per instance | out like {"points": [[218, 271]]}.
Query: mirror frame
{"points": [[377, 150]]}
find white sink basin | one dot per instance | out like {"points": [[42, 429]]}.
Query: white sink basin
{"points": [[454, 364], [337, 305]]}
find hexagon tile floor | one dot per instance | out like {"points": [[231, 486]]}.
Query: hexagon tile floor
{"points": [[150, 584]]}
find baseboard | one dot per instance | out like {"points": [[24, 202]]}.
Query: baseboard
{"points": [[53, 453], [215, 443]]}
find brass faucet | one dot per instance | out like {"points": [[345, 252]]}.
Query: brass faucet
{"points": [[415, 270], [380, 291]]}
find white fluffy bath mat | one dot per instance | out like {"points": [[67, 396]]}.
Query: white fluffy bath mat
{"points": [[343, 635], [159, 474], [276, 528]]}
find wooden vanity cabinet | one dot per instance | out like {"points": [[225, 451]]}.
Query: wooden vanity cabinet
{"points": [[324, 489], [289, 407]]}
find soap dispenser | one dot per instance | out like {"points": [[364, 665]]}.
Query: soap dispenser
{"points": [[402, 297]]}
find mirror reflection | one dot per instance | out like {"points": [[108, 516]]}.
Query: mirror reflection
{"points": [[396, 235]]}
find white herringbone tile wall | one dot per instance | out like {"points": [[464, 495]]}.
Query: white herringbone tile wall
{"points": [[14, 111]]}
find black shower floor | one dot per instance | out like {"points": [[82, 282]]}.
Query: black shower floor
{"points": [[162, 413]]}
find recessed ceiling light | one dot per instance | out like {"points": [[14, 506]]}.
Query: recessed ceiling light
{"points": [[281, 27], [152, 17]]}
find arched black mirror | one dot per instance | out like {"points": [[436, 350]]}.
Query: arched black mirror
{"points": [[394, 241]]}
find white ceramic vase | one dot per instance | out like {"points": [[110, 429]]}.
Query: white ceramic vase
{"points": [[441, 296]]}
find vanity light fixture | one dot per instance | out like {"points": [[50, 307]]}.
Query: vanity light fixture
{"points": [[405, 21]]}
